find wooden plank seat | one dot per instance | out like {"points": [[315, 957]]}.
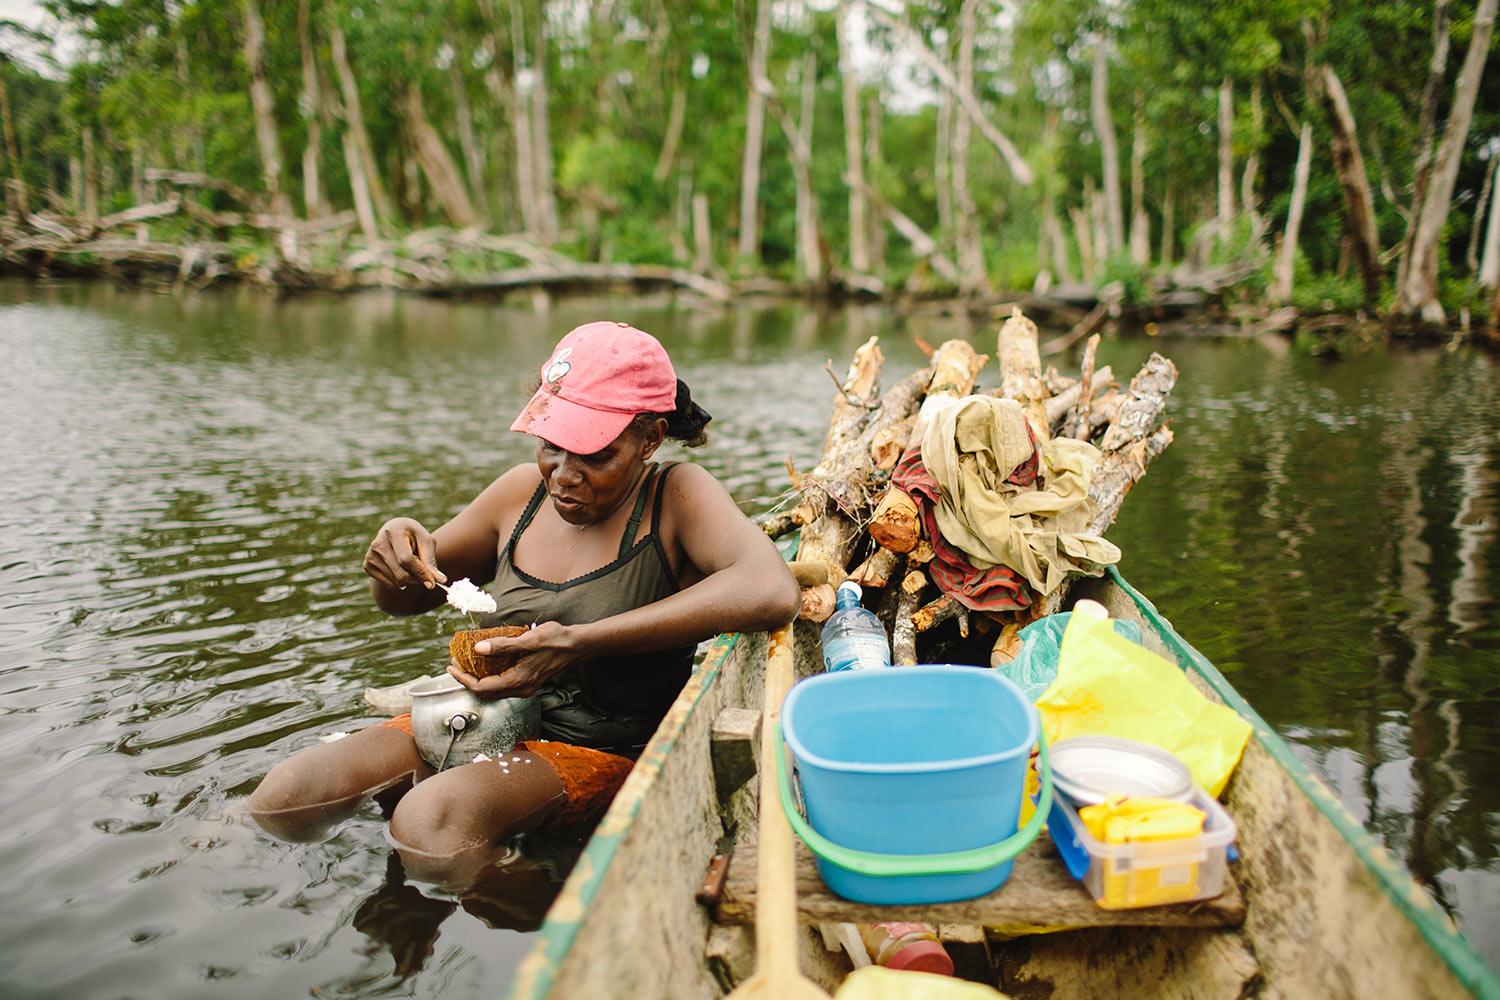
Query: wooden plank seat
{"points": [[1039, 892]]}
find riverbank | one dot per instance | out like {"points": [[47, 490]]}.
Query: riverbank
{"points": [[177, 246]]}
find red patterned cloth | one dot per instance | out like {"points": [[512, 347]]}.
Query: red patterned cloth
{"points": [[998, 588]]}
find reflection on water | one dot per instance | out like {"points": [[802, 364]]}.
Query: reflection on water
{"points": [[187, 484]]}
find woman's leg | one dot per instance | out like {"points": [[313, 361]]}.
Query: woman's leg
{"points": [[452, 825], [307, 793]]}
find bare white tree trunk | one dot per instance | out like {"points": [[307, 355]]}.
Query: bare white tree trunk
{"points": [[1140, 223], [1226, 151], [967, 242], [1281, 280], [90, 176], [1418, 296], [859, 245], [359, 139], [702, 237], [1489, 261], [1104, 128], [755, 129], [675, 119], [1168, 220], [311, 108], [541, 137], [473, 150], [942, 165], [809, 256], [435, 160], [873, 157], [520, 118], [1251, 175], [1437, 67], [265, 111]]}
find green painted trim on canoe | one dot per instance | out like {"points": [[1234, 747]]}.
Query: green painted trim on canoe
{"points": [[556, 936], [1411, 899]]}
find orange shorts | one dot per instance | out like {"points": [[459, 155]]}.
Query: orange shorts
{"points": [[590, 778]]}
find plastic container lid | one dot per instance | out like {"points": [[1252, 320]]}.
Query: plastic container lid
{"points": [[1089, 769], [923, 956]]}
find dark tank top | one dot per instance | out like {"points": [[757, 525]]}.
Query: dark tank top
{"points": [[613, 703]]}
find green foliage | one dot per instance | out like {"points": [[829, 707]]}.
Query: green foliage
{"points": [[1131, 276]]}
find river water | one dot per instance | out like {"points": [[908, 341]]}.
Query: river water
{"points": [[187, 485]]}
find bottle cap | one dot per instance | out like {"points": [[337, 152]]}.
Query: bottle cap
{"points": [[851, 588], [922, 956]]}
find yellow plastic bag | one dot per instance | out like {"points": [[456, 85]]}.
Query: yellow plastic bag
{"points": [[1107, 685]]}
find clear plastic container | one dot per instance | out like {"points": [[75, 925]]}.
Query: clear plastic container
{"points": [[1147, 873], [906, 946], [853, 638]]}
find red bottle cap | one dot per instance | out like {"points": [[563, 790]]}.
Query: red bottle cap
{"points": [[923, 956]]}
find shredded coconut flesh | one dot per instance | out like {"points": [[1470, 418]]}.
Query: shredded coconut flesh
{"points": [[464, 596]]}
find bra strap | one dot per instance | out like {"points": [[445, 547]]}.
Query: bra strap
{"points": [[628, 539]]}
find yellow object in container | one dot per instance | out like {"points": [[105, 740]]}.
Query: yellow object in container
{"points": [[1152, 825]]}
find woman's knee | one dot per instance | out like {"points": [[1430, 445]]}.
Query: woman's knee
{"points": [[475, 807], [332, 774]]}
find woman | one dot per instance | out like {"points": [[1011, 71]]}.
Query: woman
{"points": [[623, 564]]}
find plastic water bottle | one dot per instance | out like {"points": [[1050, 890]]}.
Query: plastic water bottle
{"points": [[853, 638]]}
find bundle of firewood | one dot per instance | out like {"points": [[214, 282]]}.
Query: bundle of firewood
{"points": [[856, 524]]}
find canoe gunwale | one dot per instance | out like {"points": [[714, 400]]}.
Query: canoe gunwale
{"points": [[1394, 880]]}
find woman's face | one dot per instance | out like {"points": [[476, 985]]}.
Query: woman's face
{"points": [[586, 489]]}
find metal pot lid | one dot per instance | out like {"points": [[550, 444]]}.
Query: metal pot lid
{"points": [[1089, 769]]}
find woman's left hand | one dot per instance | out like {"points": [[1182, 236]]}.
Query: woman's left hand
{"points": [[544, 651]]}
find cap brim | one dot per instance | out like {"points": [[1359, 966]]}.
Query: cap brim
{"points": [[568, 425]]}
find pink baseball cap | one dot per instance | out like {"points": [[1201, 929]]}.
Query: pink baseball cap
{"points": [[599, 377]]}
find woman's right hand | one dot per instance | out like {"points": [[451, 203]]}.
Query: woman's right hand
{"points": [[403, 554]]}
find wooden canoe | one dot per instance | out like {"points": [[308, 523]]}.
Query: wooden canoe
{"points": [[1316, 908]]}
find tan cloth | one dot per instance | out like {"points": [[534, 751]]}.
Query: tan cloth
{"points": [[1040, 532]]}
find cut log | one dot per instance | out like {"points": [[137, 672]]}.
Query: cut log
{"points": [[1008, 643], [1076, 424], [876, 571], [1144, 404], [1057, 406], [904, 633], [1021, 371], [818, 602], [897, 521]]}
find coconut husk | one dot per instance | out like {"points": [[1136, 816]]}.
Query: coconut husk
{"points": [[462, 648]]}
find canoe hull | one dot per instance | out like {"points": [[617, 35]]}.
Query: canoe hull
{"points": [[1327, 913]]}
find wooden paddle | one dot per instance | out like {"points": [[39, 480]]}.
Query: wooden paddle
{"points": [[776, 974]]}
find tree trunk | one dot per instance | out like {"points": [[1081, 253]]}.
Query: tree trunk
{"points": [[436, 162], [1168, 220], [12, 149], [1359, 203], [1019, 169], [873, 117], [1489, 262], [1437, 67], [359, 139], [1281, 281], [311, 107], [702, 236], [474, 161], [90, 176], [669, 142], [942, 165], [1419, 294], [520, 117], [1085, 242], [1104, 129], [859, 246], [1226, 151], [265, 111], [1252, 164], [755, 127], [809, 261], [969, 247], [541, 138], [1140, 224]]}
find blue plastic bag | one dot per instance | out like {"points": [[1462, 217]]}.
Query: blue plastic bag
{"points": [[1035, 667]]}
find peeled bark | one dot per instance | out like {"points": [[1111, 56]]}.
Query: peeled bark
{"points": [[1350, 164], [1104, 128], [755, 127], [436, 162], [1281, 281], [1419, 295], [265, 112], [859, 246]]}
